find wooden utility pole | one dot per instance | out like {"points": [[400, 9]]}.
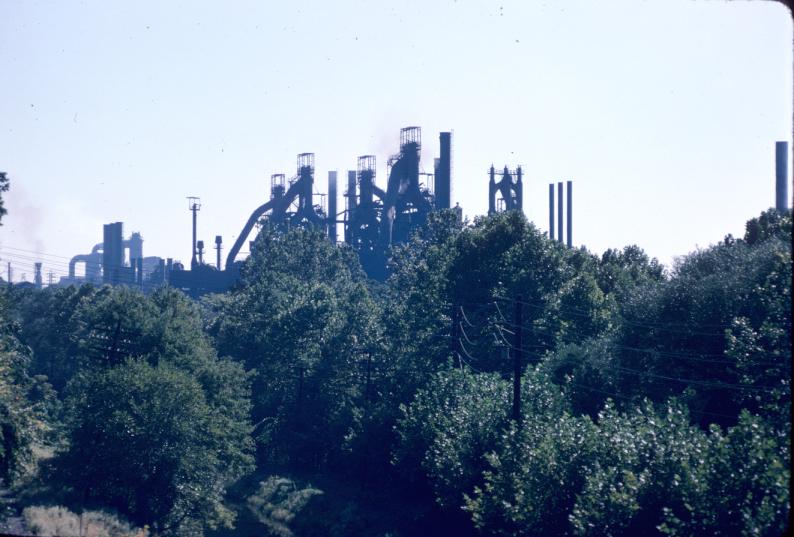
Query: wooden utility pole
{"points": [[517, 352], [455, 336]]}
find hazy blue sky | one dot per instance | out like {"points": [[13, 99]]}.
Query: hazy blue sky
{"points": [[664, 114]]}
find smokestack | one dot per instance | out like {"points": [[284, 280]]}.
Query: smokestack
{"points": [[443, 179], [569, 224], [559, 211], [218, 243], [492, 191], [781, 176], [551, 211], [332, 206], [194, 206], [112, 252], [37, 277]]}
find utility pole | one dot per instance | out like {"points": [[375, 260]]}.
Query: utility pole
{"points": [[455, 335], [194, 205], [517, 352]]}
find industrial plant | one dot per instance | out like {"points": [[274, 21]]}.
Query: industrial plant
{"points": [[373, 217]]}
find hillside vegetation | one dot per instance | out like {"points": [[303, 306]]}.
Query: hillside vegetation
{"points": [[312, 401]]}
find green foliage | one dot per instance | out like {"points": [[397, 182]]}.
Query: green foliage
{"points": [[278, 501], [302, 319], [61, 522], [4, 186], [447, 429], [49, 327], [147, 441], [651, 464], [416, 312], [620, 272], [718, 329], [534, 476], [657, 473], [770, 224], [26, 403], [19, 424], [356, 387], [747, 476], [452, 424]]}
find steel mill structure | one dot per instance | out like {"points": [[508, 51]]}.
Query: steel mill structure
{"points": [[373, 217]]}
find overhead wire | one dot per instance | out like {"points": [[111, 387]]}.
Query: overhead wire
{"points": [[502, 340]]}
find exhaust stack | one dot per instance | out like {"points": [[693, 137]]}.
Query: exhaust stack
{"points": [[551, 211], [218, 243], [781, 176], [559, 211], [332, 206], [569, 224], [37, 277], [443, 179]]}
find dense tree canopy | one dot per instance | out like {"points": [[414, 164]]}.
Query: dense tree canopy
{"points": [[653, 401]]}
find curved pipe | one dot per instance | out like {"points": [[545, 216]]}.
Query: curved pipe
{"points": [[85, 258], [252, 220], [278, 205], [97, 248]]}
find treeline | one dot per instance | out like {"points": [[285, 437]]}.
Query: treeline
{"points": [[310, 400]]}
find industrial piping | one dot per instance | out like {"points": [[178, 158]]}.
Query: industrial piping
{"points": [[551, 211], [569, 223], [332, 206], [781, 176], [559, 211]]}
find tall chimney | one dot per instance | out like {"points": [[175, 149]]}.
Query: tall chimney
{"points": [[194, 206], [112, 252], [218, 243], [37, 277], [569, 224], [443, 179], [492, 190], [332, 206], [781, 176], [551, 211], [559, 211]]}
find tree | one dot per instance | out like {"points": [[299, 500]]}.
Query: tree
{"points": [[49, 326], [148, 441], [717, 331], [25, 401], [4, 186], [302, 319], [650, 464], [534, 476]]}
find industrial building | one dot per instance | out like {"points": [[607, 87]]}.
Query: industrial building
{"points": [[373, 218]]}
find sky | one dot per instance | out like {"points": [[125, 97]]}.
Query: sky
{"points": [[664, 114]]}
